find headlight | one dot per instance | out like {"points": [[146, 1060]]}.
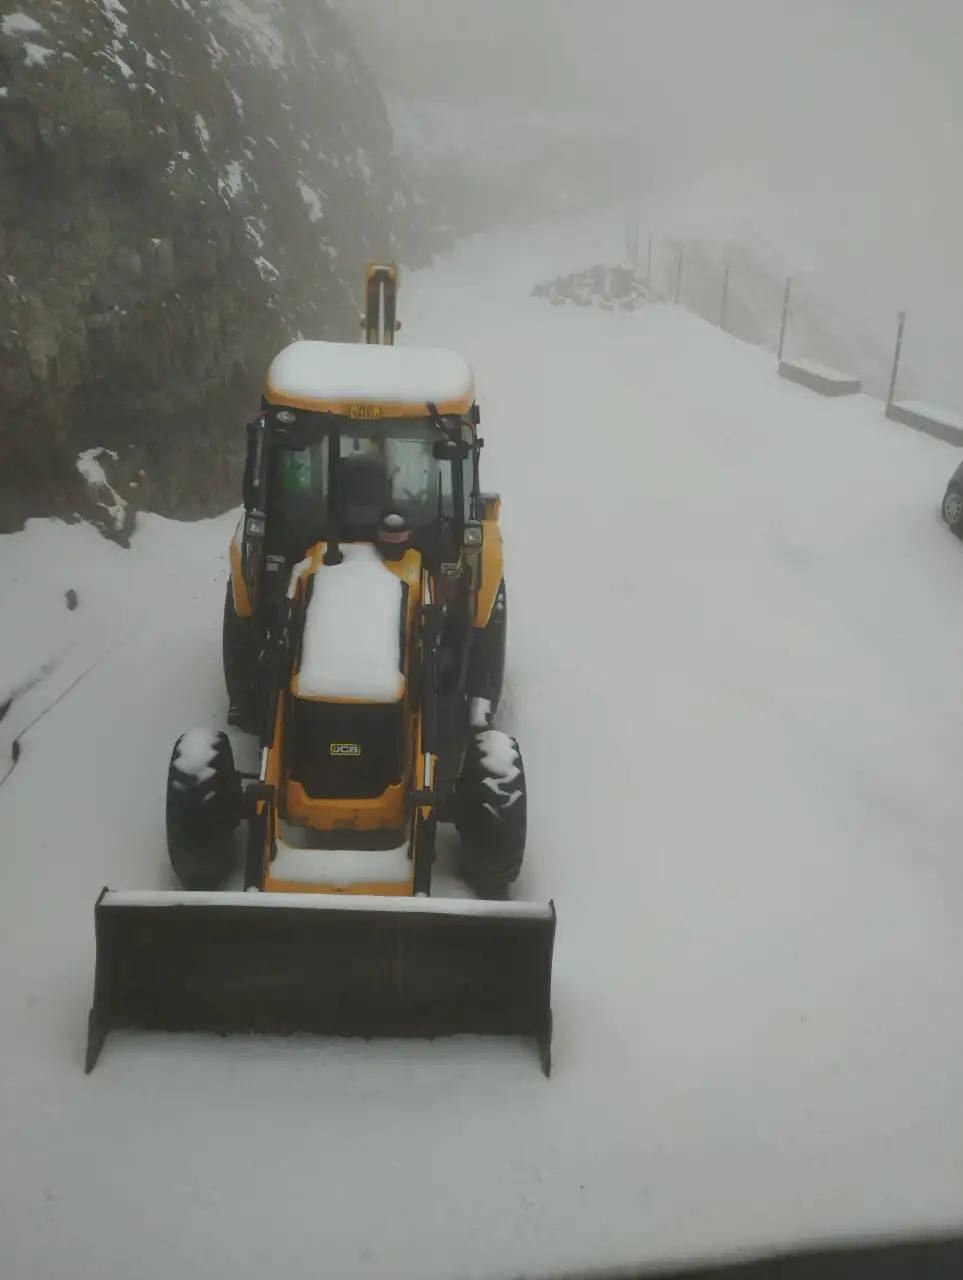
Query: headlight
{"points": [[473, 534], [254, 527]]}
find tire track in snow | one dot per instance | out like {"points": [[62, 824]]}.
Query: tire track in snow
{"points": [[47, 669]]}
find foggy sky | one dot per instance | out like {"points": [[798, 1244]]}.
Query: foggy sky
{"points": [[869, 85]]}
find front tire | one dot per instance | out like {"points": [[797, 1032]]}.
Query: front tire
{"points": [[491, 813], [203, 808]]}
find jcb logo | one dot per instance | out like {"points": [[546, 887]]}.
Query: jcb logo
{"points": [[365, 412], [345, 749]]}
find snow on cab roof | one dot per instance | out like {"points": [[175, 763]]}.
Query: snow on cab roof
{"points": [[343, 376]]}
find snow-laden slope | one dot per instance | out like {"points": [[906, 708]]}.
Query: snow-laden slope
{"points": [[737, 631], [855, 259]]}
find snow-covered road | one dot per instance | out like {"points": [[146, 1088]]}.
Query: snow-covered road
{"points": [[736, 650]]}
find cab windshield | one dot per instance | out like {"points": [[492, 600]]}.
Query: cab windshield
{"points": [[383, 466]]}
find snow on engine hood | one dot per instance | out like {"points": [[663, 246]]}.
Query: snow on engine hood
{"points": [[352, 631]]}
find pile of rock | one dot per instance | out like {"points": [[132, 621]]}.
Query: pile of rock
{"points": [[611, 288]]}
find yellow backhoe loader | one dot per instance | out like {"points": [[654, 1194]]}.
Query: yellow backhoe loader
{"points": [[364, 644]]}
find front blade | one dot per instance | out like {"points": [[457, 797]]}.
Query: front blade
{"points": [[328, 964]]}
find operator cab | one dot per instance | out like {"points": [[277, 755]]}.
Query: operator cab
{"points": [[386, 468], [351, 434]]}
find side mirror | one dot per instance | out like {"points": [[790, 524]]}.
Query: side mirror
{"points": [[450, 450]]}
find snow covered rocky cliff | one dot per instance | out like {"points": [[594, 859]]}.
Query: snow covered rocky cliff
{"points": [[184, 185]]}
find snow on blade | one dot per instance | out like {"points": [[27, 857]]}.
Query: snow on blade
{"points": [[341, 867], [327, 902], [352, 631]]}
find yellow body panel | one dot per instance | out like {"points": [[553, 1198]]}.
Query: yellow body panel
{"points": [[352, 408], [492, 568], [387, 812], [342, 702], [242, 596], [372, 268], [376, 888], [272, 774]]}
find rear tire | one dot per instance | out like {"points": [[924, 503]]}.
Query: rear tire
{"points": [[491, 813], [203, 809]]}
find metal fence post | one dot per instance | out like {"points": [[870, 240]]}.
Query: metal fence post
{"points": [[901, 325], [632, 240], [725, 298], [785, 317], [678, 277]]}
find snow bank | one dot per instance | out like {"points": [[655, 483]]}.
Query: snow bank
{"points": [[933, 412], [104, 494], [822, 371]]}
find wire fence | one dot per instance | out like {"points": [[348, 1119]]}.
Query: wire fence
{"points": [[899, 354]]}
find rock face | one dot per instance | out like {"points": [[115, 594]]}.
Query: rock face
{"points": [[185, 185], [495, 161]]}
